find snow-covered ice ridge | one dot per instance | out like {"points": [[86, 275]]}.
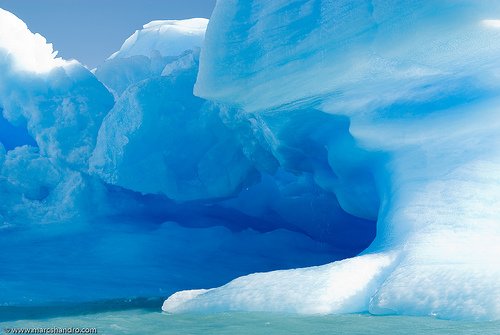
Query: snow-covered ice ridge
{"points": [[310, 121]]}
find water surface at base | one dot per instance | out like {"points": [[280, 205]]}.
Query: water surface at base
{"points": [[152, 322]]}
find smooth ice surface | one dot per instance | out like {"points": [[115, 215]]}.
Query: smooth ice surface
{"points": [[354, 54]]}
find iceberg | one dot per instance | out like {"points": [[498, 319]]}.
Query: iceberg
{"points": [[313, 157], [416, 85]]}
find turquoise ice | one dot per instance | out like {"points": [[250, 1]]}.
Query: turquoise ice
{"points": [[306, 157]]}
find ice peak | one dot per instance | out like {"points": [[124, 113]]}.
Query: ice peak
{"points": [[168, 37], [188, 24], [29, 51]]}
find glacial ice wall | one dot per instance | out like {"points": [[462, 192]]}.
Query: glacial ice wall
{"points": [[416, 83]]}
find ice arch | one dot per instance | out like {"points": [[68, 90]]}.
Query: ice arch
{"points": [[418, 82], [185, 191]]}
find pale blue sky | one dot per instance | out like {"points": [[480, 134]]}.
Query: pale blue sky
{"points": [[91, 30]]}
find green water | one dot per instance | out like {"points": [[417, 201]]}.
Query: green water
{"points": [[151, 322]]}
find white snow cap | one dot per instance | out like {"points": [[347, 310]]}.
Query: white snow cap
{"points": [[30, 52], [168, 37]]}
